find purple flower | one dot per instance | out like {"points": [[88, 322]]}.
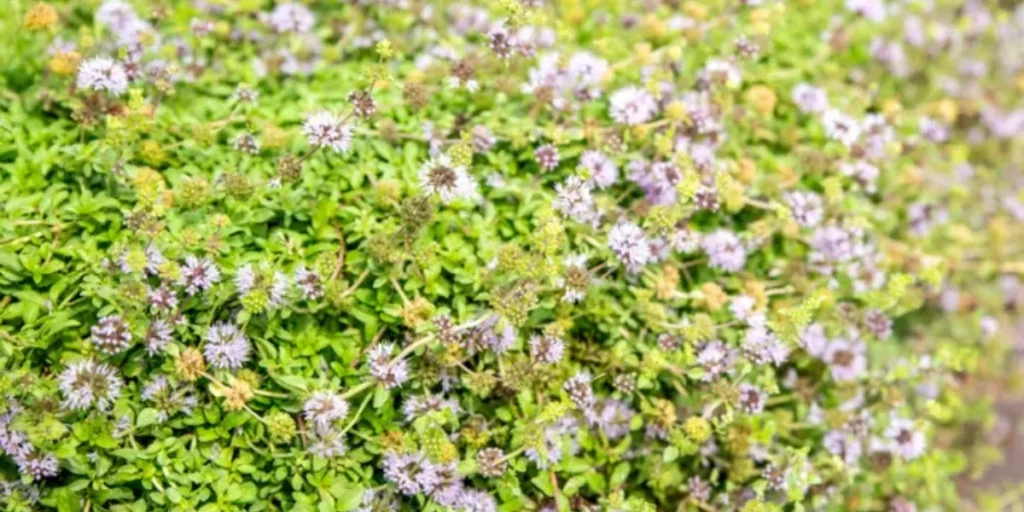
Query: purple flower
{"points": [[309, 283], [839, 443], [37, 465], [574, 199], [806, 207], [226, 346], [547, 157], [603, 171], [763, 347], [324, 408], [326, 130], [906, 440], [725, 250], [612, 417], [632, 105], [752, 398], [111, 334], [578, 389], [103, 74], [158, 336], [88, 383], [163, 298], [630, 245], [547, 349], [387, 373], [810, 99], [814, 341], [418, 406], [291, 17], [716, 359], [846, 359], [840, 127], [411, 473], [441, 177], [198, 275]]}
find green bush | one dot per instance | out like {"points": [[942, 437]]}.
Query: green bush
{"points": [[511, 255]]}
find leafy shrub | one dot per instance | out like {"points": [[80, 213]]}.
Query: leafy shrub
{"points": [[517, 255]]}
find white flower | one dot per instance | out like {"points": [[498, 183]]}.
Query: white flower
{"points": [[806, 207], [450, 182], [324, 408], [291, 17], [324, 129], [87, 383], [725, 250], [810, 99], [226, 346], [724, 72], [906, 440], [575, 200], [103, 74], [841, 127], [603, 171], [873, 10], [630, 245], [632, 105]]}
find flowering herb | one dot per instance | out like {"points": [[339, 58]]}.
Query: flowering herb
{"points": [[516, 255]]}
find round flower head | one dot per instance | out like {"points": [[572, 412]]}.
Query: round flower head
{"points": [[841, 127], [630, 244], [906, 440], [418, 406], [326, 130], [716, 359], [574, 199], [37, 465], [547, 157], [602, 169], [632, 105], [814, 341], [247, 143], [411, 473], [579, 391], [612, 417], [725, 251], [158, 336], [810, 99], [166, 399], [226, 346], [387, 373], [324, 408], [476, 501], [198, 274], [441, 177], [752, 398], [291, 17], [327, 444], [547, 349], [103, 74], [843, 445], [163, 299], [309, 283], [87, 383], [846, 359], [806, 207], [111, 334]]}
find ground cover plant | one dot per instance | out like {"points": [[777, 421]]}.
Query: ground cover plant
{"points": [[506, 255]]}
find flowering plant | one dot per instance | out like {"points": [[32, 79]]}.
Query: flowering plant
{"points": [[513, 255]]}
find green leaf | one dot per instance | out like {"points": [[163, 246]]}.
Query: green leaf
{"points": [[146, 417]]}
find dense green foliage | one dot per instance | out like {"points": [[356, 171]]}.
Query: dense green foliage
{"points": [[511, 255]]}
